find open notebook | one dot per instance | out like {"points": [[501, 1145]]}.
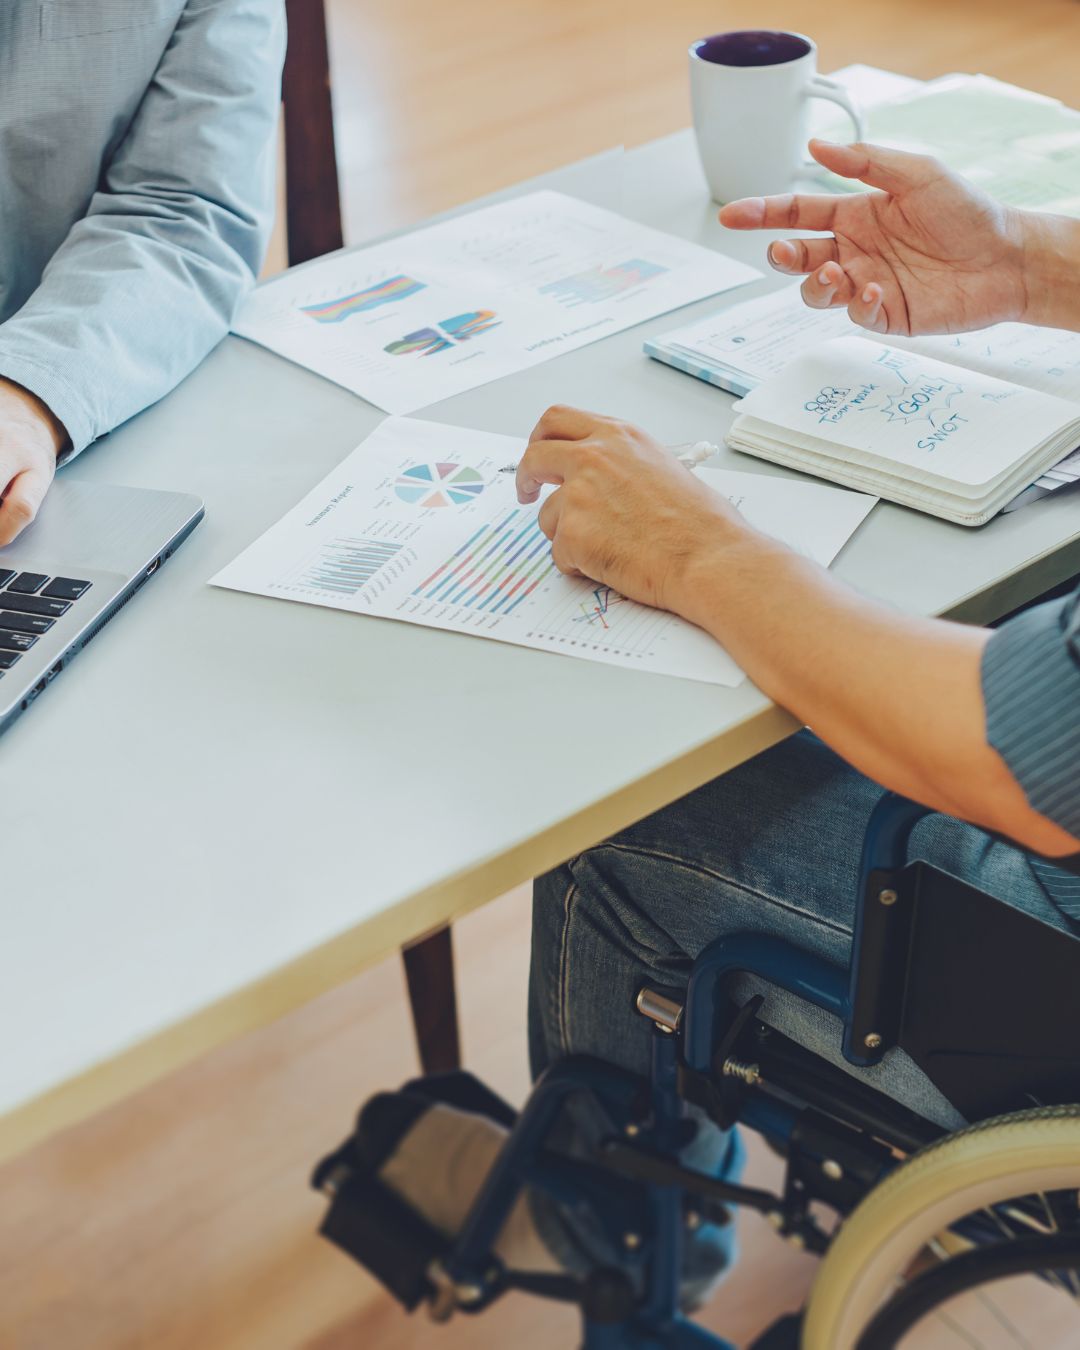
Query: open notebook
{"points": [[953, 425]]}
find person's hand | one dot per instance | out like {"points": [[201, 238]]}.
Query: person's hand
{"points": [[928, 253], [627, 513], [30, 440]]}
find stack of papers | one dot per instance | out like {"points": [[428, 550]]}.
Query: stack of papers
{"points": [[940, 437], [748, 343]]}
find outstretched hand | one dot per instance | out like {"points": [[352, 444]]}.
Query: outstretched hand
{"points": [[926, 253]]}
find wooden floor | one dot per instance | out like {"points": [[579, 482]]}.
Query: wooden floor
{"points": [[181, 1220]]}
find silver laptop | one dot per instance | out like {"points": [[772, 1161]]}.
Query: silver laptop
{"points": [[88, 552]]}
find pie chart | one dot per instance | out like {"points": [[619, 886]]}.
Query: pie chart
{"points": [[439, 485]]}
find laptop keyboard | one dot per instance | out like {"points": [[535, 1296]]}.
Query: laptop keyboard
{"points": [[30, 603]]}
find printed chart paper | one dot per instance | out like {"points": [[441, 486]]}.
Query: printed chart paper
{"points": [[420, 524], [450, 307]]}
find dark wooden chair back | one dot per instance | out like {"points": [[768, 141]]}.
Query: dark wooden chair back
{"points": [[313, 202]]}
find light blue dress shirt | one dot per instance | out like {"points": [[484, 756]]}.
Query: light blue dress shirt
{"points": [[137, 158]]}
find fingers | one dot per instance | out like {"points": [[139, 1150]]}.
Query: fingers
{"points": [[548, 515], [832, 288], [21, 503], [798, 211], [890, 170], [561, 423], [799, 256], [548, 519], [538, 466], [828, 288], [545, 461], [867, 309]]}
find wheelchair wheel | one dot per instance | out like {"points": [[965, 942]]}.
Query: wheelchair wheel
{"points": [[1000, 1171]]}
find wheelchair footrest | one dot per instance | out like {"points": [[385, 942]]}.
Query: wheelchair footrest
{"points": [[370, 1221], [381, 1232]]}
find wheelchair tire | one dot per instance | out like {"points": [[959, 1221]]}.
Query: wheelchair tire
{"points": [[993, 1161]]}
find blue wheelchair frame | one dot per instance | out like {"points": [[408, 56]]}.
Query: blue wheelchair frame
{"points": [[647, 1222]]}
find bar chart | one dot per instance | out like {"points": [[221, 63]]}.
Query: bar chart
{"points": [[496, 569], [600, 284], [344, 566]]}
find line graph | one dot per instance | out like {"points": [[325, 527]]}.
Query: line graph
{"points": [[595, 609], [596, 618]]}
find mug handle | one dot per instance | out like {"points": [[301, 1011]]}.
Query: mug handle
{"points": [[818, 86]]}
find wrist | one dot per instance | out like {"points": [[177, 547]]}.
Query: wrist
{"points": [[19, 405], [1050, 270], [730, 557]]}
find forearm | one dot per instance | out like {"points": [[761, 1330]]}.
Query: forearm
{"points": [[19, 407], [147, 282], [125, 310], [899, 697], [1051, 269]]}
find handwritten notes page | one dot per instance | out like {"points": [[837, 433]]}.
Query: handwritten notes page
{"points": [[951, 441], [755, 340]]}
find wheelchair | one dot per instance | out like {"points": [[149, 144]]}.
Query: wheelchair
{"points": [[905, 1213]]}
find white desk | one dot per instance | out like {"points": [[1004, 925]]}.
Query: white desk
{"points": [[231, 804]]}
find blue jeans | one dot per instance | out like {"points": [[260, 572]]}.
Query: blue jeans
{"points": [[772, 846]]}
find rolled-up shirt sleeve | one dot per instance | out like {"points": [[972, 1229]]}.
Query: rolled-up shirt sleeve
{"points": [[146, 283], [1031, 688]]}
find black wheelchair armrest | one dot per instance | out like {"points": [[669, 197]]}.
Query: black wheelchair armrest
{"points": [[984, 997]]}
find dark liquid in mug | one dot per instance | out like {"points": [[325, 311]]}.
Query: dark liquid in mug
{"points": [[751, 48]]}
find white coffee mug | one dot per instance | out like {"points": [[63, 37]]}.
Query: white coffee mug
{"points": [[750, 92]]}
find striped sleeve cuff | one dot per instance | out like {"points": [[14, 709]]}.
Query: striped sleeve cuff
{"points": [[1031, 688]]}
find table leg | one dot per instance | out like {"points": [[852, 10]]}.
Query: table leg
{"points": [[429, 972]]}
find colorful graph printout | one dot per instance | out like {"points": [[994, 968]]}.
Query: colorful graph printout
{"points": [[428, 341], [599, 284], [360, 302], [465, 326], [439, 485], [596, 607], [533, 259], [485, 567], [345, 565], [425, 342], [496, 569]]}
